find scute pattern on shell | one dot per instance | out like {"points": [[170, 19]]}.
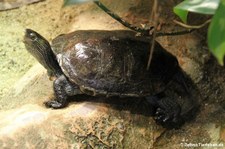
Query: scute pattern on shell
{"points": [[113, 62]]}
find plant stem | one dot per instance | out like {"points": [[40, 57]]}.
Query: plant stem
{"points": [[154, 16], [145, 32], [192, 26], [123, 22]]}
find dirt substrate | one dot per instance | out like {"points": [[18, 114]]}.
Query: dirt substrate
{"points": [[25, 86]]}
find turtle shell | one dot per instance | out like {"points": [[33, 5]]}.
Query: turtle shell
{"points": [[113, 62]]}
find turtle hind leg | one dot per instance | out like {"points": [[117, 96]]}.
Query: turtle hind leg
{"points": [[167, 111], [63, 88]]}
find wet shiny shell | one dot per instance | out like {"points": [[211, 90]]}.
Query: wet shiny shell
{"points": [[113, 63]]}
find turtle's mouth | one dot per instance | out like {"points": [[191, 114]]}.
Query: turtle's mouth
{"points": [[35, 42], [29, 32], [31, 37]]}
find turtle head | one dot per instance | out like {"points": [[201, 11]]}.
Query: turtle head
{"points": [[40, 48], [36, 44]]}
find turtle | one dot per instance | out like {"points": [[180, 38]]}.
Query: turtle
{"points": [[107, 63]]}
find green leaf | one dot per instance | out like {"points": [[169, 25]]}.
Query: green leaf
{"points": [[216, 33], [197, 6], [73, 2], [181, 13]]}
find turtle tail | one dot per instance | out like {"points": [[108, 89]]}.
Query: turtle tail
{"points": [[40, 48]]}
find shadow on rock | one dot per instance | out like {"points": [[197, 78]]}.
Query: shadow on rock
{"points": [[181, 88]]}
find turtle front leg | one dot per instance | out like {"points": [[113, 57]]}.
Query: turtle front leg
{"points": [[167, 111], [63, 88]]}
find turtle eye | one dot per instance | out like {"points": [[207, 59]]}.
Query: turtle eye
{"points": [[33, 36]]}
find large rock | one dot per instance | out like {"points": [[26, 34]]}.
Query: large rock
{"points": [[85, 123]]}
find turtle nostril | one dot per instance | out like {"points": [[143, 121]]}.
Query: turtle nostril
{"points": [[32, 36], [28, 31]]}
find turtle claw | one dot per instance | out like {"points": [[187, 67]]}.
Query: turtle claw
{"points": [[164, 116], [54, 104], [167, 112], [168, 115]]}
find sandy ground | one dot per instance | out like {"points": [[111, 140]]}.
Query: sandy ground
{"points": [[24, 81], [15, 61]]}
